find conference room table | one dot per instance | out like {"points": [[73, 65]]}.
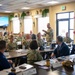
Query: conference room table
{"points": [[22, 52], [29, 70], [58, 70]]}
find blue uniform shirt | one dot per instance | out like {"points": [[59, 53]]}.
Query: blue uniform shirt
{"points": [[4, 64]]}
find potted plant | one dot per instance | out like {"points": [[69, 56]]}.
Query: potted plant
{"points": [[23, 15], [11, 16], [45, 12]]}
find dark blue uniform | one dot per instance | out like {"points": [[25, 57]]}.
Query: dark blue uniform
{"points": [[73, 50], [63, 50], [4, 64]]}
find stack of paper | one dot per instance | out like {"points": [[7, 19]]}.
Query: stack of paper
{"points": [[55, 63]]}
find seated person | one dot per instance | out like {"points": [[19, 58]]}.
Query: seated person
{"points": [[26, 41], [67, 39], [6, 37], [11, 45], [4, 63], [33, 37], [62, 49], [40, 42], [33, 55], [19, 38], [73, 50]]}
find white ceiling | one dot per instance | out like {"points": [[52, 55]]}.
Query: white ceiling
{"points": [[16, 5]]}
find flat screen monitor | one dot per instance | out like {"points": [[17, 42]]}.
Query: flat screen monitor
{"points": [[4, 21]]}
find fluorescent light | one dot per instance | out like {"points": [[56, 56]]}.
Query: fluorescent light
{"points": [[25, 8], [8, 11], [53, 2], [0, 4]]}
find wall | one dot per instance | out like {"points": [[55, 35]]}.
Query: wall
{"points": [[57, 9]]}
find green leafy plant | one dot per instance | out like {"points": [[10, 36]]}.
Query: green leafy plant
{"points": [[23, 15], [11, 16], [44, 12]]}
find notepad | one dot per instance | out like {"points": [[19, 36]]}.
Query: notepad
{"points": [[19, 43]]}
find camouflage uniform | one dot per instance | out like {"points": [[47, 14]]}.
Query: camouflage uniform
{"points": [[11, 46], [49, 35], [33, 56], [26, 43], [40, 42], [19, 39], [1, 38], [67, 39]]}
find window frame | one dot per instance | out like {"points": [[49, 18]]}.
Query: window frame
{"points": [[57, 20]]}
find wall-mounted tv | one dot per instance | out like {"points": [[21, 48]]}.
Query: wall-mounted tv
{"points": [[4, 21]]}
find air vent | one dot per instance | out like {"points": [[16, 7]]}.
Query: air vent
{"points": [[26, 2], [1, 0], [9, 4], [39, 4]]}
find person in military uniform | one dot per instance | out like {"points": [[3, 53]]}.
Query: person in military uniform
{"points": [[67, 39], [6, 37], [31, 33], [23, 36], [39, 40], [26, 41], [19, 38], [49, 34], [33, 55], [11, 45]]}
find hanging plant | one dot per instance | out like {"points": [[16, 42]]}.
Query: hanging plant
{"points": [[23, 15], [44, 12], [11, 16]]}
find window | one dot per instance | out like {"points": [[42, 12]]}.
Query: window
{"points": [[28, 25], [42, 24], [63, 28], [63, 15], [65, 23], [16, 26]]}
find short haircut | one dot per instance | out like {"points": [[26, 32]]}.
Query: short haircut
{"points": [[2, 44], [11, 36], [60, 38], [33, 45], [5, 33], [33, 37], [38, 34]]}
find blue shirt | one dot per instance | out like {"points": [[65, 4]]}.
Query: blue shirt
{"points": [[4, 64], [62, 51]]}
